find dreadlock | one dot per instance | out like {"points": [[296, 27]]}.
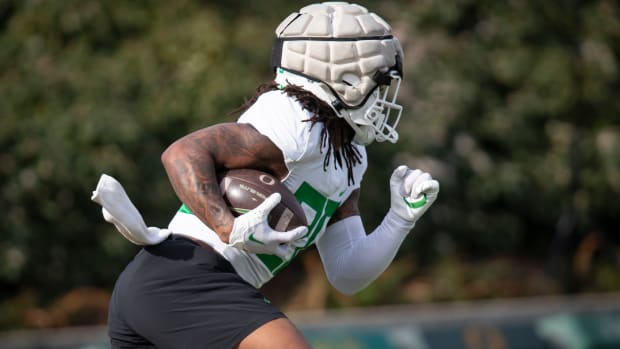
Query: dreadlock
{"points": [[336, 135]]}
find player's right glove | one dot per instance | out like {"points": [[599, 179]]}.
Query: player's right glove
{"points": [[412, 193], [251, 232]]}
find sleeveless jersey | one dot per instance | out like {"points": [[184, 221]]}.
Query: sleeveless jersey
{"points": [[320, 191]]}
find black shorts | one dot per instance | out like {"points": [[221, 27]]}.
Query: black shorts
{"points": [[178, 294]]}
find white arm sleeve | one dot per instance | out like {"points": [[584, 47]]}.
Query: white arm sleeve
{"points": [[352, 259]]}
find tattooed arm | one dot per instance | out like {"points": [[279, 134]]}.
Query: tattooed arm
{"points": [[192, 162]]}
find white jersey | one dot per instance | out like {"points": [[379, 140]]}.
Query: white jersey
{"points": [[320, 191]]}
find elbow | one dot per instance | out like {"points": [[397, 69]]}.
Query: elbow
{"points": [[347, 291], [172, 154], [347, 287], [168, 154]]}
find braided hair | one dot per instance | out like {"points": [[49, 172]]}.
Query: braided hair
{"points": [[336, 135]]}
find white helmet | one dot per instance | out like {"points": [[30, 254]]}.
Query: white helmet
{"points": [[348, 58]]}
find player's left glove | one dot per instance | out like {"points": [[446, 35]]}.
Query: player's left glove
{"points": [[118, 209], [412, 193]]}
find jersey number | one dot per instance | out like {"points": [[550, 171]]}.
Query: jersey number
{"points": [[323, 209]]}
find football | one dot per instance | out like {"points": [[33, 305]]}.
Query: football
{"points": [[245, 189]]}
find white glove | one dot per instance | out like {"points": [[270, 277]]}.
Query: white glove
{"points": [[118, 210], [251, 232], [412, 193]]}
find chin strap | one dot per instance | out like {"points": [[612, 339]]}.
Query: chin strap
{"points": [[369, 121], [363, 134]]}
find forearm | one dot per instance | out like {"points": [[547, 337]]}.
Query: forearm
{"points": [[191, 172], [192, 161], [352, 259]]}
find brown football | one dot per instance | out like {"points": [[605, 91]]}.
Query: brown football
{"points": [[245, 189]]}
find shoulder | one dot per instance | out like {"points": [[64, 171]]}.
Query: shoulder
{"points": [[283, 120], [277, 99]]}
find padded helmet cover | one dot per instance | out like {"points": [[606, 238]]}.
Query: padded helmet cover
{"points": [[340, 44]]}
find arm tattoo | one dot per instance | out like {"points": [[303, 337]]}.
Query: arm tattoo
{"points": [[193, 161]]}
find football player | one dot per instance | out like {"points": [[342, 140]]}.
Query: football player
{"points": [[338, 68]]}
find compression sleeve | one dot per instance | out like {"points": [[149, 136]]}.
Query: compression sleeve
{"points": [[352, 259]]}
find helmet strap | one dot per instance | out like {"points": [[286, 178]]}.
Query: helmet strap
{"points": [[365, 133]]}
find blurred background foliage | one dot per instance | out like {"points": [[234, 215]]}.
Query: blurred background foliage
{"points": [[513, 105]]}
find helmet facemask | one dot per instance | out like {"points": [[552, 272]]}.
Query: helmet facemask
{"points": [[377, 119]]}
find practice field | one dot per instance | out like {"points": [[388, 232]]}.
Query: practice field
{"points": [[579, 322]]}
